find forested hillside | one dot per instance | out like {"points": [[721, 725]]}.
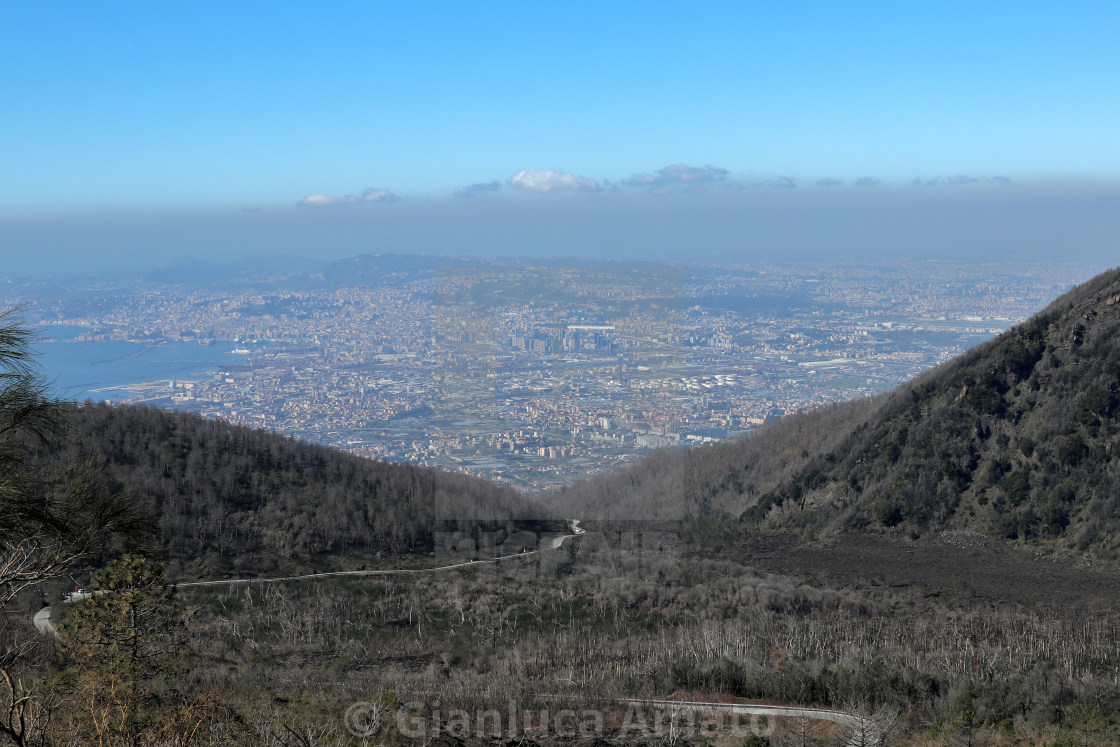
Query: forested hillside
{"points": [[234, 499], [716, 479], [1018, 438]]}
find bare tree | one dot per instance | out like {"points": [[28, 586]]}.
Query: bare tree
{"points": [[870, 727], [25, 711], [47, 522], [800, 732]]}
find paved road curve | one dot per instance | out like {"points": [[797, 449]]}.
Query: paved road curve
{"points": [[864, 731], [43, 622]]}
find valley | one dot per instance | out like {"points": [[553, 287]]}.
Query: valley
{"points": [[800, 566]]}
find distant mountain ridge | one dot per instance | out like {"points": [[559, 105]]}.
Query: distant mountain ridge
{"points": [[1018, 438], [292, 272]]}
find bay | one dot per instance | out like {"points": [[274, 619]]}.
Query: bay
{"points": [[81, 370]]}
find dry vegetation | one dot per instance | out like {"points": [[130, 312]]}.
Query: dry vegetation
{"points": [[603, 619]]}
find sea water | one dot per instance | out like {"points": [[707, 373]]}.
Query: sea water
{"points": [[81, 370]]}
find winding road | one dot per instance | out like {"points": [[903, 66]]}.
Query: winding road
{"points": [[557, 542], [864, 730], [43, 622], [44, 625]]}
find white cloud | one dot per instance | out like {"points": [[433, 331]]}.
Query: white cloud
{"points": [[372, 195], [547, 180], [321, 201], [379, 195], [679, 173]]}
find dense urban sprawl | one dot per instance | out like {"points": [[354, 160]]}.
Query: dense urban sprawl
{"points": [[538, 374]]}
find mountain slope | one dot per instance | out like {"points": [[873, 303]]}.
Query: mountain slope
{"points": [[235, 499], [1018, 438]]}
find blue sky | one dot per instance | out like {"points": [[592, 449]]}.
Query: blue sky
{"points": [[113, 111]]}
